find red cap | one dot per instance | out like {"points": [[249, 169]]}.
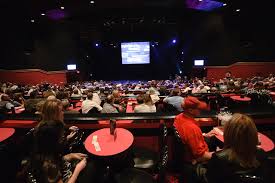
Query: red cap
{"points": [[194, 103]]}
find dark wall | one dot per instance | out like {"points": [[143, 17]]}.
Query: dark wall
{"points": [[217, 37]]}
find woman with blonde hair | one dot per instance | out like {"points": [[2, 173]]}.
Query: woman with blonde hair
{"points": [[240, 155], [53, 110]]}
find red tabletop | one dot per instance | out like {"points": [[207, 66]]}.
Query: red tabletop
{"points": [[238, 98], [6, 133], [18, 110], [228, 94], [102, 143], [272, 95], [266, 143]]}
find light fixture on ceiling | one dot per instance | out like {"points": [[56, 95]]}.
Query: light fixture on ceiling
{"points": [[62, 7], [237, 10], [92, 2], [43, 14], [224, 4], [32, 20]]}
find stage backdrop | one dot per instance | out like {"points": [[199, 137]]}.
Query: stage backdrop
{"points": [[241, 70], [33, 76]]}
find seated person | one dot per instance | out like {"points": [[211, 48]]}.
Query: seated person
{"points": [[66, 107], [76, 94], [31, 103], [240, 155], [175, 99], [109, 106], [147, 106], [48, 162], [89, 104], [196, 148], [6, 104]]}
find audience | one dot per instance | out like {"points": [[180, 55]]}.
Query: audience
{"points": [[239, 156]]}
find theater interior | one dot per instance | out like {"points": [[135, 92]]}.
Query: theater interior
{"points": [[137, 91]]}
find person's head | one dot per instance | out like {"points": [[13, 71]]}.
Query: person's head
{"points": [[66, 104], [52, 110], [116, 93], [51, 97], [228, 74], [90, 96], [49, 137], [140, 99], [193, 106], [75, 91], [60, 95], [241, 138], [5, 97], [175, 92], [147, 99], [33, 94], [110, 99]]}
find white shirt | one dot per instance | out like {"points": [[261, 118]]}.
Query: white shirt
{"points": [[145, 108], [88, 105], [96, 98]]}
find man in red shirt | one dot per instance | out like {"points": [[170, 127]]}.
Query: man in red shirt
{"points": [[196, 149]]}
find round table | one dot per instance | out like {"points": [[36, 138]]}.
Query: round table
{"points": [[272, 94], [6, 133], [266, 143], [238, 98], [102, 143]]}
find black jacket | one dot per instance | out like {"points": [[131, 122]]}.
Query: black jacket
{"points": [[221, 169]]}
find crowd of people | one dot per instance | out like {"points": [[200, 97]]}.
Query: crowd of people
{"points": [[51, 159], [107, 97]]}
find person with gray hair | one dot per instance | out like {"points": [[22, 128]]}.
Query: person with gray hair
{"points": [[109, 106]]}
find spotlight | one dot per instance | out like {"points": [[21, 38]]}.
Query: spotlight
{"points": [[96, 44], [224, 4], [32, 20], [182, 52], [92, 2], [62, 7], [180, 72], [43, 14], [237, 10], [181, 61], [153, 45], [174, 41]]}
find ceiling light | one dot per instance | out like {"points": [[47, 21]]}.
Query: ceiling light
{"points": [[200, 0], [92, 2], [32, 20], [43, 14], [62, 7], [224, 4], [237, 10]]}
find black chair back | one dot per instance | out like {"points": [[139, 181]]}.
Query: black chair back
{"points": [[93, 111]]}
